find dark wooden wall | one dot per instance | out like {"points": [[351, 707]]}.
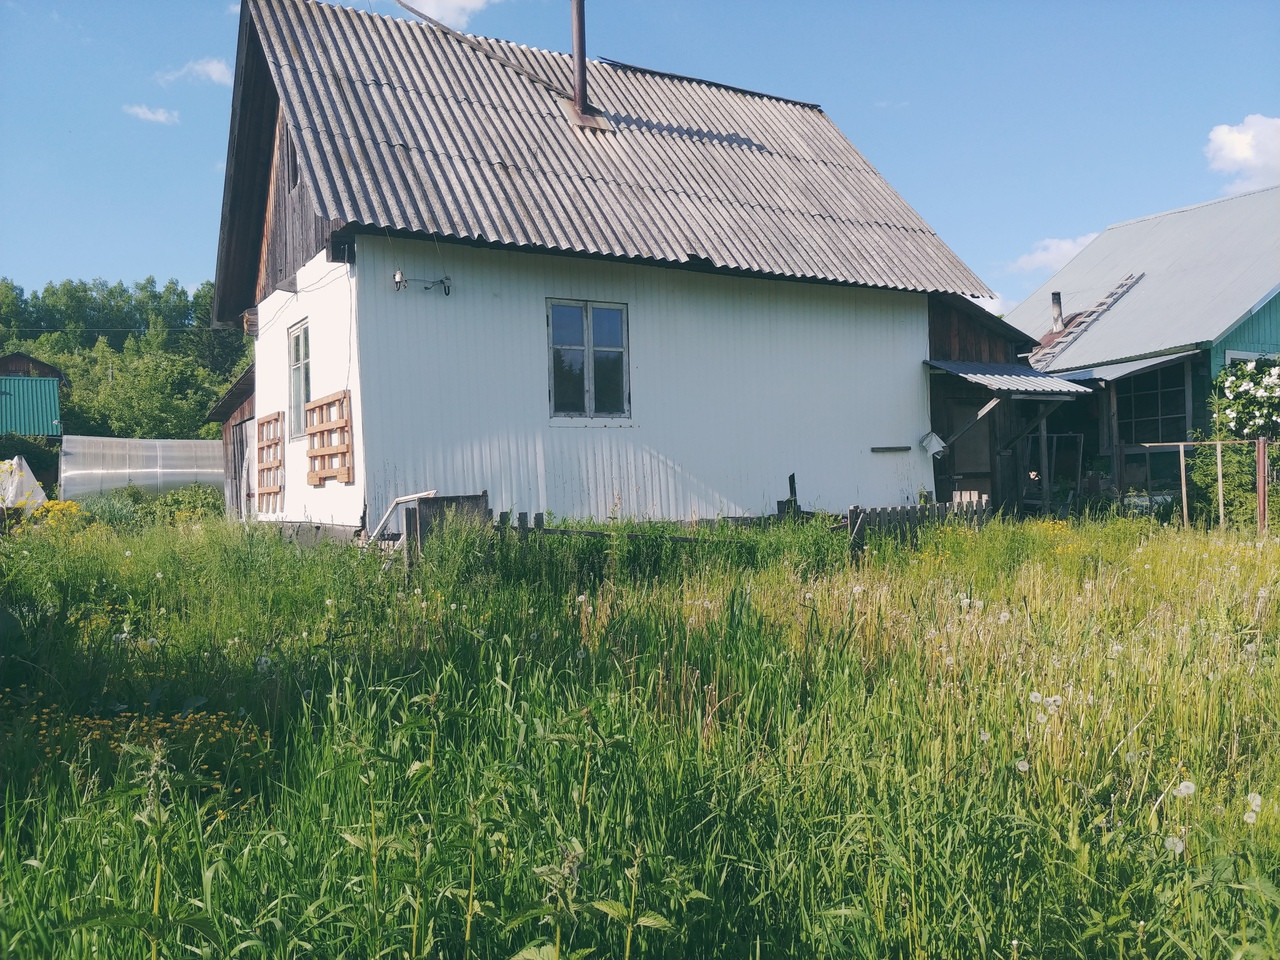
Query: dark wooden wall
{"points": [[233, 450], [956, 334], [292, 233]]}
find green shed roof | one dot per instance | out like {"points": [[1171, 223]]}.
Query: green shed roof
{"points": [[29, 406]]}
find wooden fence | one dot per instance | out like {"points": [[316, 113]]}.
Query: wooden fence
{"points": [[904, 523]]}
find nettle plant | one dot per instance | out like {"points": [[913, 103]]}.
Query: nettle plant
{"points": [[1248, 399]]}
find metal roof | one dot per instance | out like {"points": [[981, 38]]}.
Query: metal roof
{"points": [[1114, 371], [1203, 270], [29, 406], [1008, 377], [410, 126]]}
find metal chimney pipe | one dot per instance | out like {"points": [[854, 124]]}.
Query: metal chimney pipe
{"points": [[1058, 325], [579, 57]]}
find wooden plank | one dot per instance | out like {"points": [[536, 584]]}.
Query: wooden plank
{"points": [[341, 449], [331, 398], [328, 425]]}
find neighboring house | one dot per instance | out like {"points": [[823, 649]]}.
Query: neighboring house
{"points": [[1151, 310], [29, 406], [18, 364], [603, 291]]}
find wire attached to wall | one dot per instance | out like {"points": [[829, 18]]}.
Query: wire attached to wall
{"points": [[400, 281]]}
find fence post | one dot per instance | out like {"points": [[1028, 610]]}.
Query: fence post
{"points": [[1182, 477], [1260, 453], [1222, 500]]}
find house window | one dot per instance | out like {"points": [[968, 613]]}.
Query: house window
{"points": [[590, 374], [299, 379], [1151, 407]]}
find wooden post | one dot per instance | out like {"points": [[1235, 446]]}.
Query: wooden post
{"points": [[1182, 476], [523, 519], [1260, 453], [410, 537], [1222, 502], [1044, 466]]}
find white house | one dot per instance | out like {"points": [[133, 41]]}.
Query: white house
{"points": [[655, 302]]}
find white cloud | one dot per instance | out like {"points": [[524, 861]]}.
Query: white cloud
{"points": [[1052, 253], [233, 8], [1250, 151], [151, 114], [210, 68], [454, 13], [997, 304]]}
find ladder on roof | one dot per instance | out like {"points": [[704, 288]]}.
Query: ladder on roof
{"points": [[1042, 358]]}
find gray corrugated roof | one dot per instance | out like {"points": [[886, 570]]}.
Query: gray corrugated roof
{"points": [[1206, 268], [406, 126], [1008, 377]]}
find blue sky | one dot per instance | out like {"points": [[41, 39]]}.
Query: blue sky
{"points": [[1017, 129]]}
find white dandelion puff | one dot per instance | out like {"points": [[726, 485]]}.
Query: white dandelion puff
{"points": [[1035, 696], [1023, 766], [1174, 844], [1185, 789], [1255, 802]]}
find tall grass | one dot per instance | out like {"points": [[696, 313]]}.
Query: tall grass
{"points": [[1038, 740]]}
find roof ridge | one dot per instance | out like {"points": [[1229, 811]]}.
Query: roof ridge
{"points": [[1194, 206], [710, 83]]}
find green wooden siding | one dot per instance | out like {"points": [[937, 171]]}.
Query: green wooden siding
{"points": [[29, 406], [1259, 334]]}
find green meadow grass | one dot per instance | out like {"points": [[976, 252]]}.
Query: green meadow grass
{"points": [[1038, 740]]}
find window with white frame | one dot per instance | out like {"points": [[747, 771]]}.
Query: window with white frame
{"points": [[590, 374], [299, 378]]}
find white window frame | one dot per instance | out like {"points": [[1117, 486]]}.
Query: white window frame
{"points": [[299, 379], [589, 351]]}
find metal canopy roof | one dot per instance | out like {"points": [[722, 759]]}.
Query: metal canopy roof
{"points": [[1009, 377], [1114, 371], [1203, 270], [412, 127]]}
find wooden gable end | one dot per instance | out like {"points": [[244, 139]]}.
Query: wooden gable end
{"points": [[956, 333], [292, 232]]}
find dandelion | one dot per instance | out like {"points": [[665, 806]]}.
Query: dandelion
{"points": [[582, 598], [1023, 766], [1005, 616], [127, 553], [857, 588], [808, 597], [262, 664], [1174, 845], [984, 736], [417, 591], [1041, 718], [1035, 696], [1185, 789], [159, 575], [582, 653], [453, 606], [1251, 817], [1255, 802]]}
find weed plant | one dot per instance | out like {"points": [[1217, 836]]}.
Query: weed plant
{"points": [[1042, 739]]}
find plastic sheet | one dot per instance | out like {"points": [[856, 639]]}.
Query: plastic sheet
{"points": [[92, 465]]}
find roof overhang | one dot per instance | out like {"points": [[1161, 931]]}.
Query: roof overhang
{"points": [[1114, 371], [233, 397], [1011, 378]]}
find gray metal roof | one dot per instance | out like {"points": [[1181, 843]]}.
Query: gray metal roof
{"points": [[1114, 371], [1203, 270], [409, 126], [1008, 377]]}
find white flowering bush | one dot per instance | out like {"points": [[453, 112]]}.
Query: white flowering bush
{"points": [[1248, 403]]}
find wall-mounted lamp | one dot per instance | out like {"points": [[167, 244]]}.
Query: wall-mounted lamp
{"points": [[401, 281]]}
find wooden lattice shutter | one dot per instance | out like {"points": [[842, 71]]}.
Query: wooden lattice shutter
{"points": [[329, 449], [271, 463]]}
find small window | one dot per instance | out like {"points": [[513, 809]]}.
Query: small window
{"points": [[590, 371], [299, 379], [1151, 407]]}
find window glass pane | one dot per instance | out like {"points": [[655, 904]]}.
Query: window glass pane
{"points": [[1146, 382], [1173, 429], [1172, 376], [1124, 407], [606, 327], [568, 385], [1173, 402], [1146, 431], [610, 386], [1146, 405], [566, 325]]}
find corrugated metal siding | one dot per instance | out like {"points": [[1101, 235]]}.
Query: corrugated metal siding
{"points": [[1010, 377], [1204, 268], [29, 406], [402, 126], [1259, 334], [735, 383]]}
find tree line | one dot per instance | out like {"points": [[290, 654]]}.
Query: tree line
{"points": [[141, 360]]}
